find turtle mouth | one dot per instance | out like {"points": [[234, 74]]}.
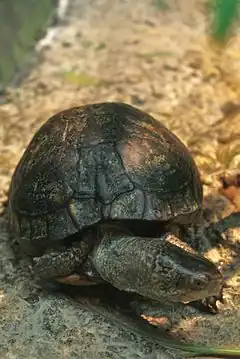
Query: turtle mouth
{"points": [[213, 290]]}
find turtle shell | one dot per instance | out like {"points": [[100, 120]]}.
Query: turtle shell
{"points": [[105, 161]]}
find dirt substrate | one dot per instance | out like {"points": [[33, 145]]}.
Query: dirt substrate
{"points": [[159, 61]]}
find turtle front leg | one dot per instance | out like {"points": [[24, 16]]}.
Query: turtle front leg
{"points": [[216, 230], [62, 266]]}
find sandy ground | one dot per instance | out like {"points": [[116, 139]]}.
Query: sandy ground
{"points": [[159, 61]]}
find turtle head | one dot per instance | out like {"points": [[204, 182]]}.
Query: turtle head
{"points": [[189, 277]]}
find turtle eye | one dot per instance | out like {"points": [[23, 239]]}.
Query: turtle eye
{"points": [[199, 281]]}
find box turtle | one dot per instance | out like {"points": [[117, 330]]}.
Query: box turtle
{"points": [[93, 194]]}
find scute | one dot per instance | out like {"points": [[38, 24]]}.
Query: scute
{"points": [[84, 212], [128, 205], [102, 161], [155, 167]]}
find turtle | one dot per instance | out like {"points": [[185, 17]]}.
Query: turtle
{"points": [[94, 197]]}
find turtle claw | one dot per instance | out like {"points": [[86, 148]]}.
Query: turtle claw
{"points": [[211, 302]]}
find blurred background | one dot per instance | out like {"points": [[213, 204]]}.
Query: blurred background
{"points": [[25, 23]]}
